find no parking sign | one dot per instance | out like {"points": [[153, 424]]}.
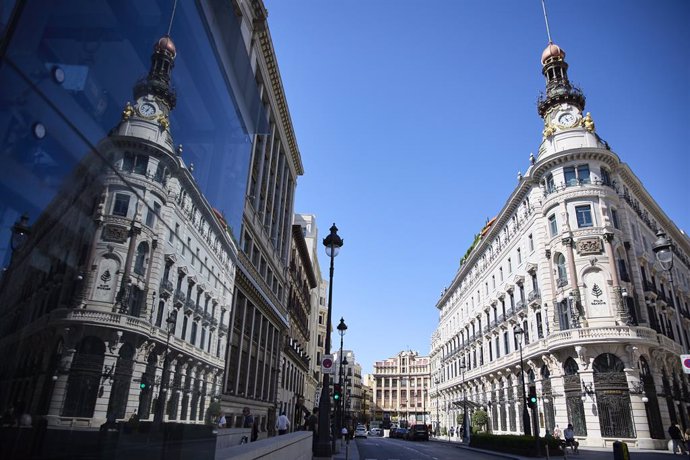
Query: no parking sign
{"points": [[685, 362]]}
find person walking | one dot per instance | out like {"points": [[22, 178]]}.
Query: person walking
{"points": [[250, 422], [677, 439], [282, 423]]}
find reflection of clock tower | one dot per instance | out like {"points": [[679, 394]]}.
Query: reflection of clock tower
{"points": [[562, 106], [154, 99]]}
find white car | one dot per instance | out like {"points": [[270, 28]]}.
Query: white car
{"points": [[375, 431], [360, 431]]}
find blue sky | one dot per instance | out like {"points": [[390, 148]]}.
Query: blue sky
{"points": [[414, 117]]}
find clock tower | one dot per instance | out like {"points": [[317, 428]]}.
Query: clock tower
{"points": [[149, 117], [562, 107]]}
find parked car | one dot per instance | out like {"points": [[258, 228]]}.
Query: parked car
{"points": [[418, 432], [400, 433], [375, 432], [361, 431]]}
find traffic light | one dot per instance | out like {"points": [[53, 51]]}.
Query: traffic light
{"points": [[144, 385], [532, 398], [337, 391]]}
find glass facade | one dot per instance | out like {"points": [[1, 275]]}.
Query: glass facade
{"points": [[67, 72]]}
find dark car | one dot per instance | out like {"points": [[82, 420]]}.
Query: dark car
{"points": [[418, 432], [400, 433]]}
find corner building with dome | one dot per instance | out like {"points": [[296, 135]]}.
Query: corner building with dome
{"points": [[568, 264]]}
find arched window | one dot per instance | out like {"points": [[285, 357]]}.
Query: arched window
{"points": [[84, 378], [122, 377], [140, 261], [560, 267], [656, 427], [573, 397]]}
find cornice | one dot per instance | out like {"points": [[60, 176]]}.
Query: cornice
{"points": [[268, 52]]}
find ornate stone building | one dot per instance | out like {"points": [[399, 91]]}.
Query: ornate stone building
{"points": [[401, 389], [568, 261], [259, 321], [122, 286]]}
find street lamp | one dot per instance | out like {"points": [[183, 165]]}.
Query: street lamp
{"points": [[171, 321], [663, 250], [333, 243], [342, 327], [438, 422], [463, 366], [518, 331]]}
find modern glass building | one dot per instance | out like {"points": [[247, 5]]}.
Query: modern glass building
{"points": [[126, 130]]}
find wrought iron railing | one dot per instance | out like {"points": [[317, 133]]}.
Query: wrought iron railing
{"points": [[534, 295], [166, 288]]}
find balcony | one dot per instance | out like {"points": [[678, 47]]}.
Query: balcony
{"points": [[223, 328], [166, 289], [562, 282], [198, 311], [189, 306], [180, 298], [519, 306], [648, 287], [534, 296], [625, 277]]}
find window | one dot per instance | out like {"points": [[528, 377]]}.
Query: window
{"points": [[605, 177], [519, 254], [553, 225], [135, 163], [510, 265], [584, 216], [500, 273], [530, 242], [121, 206], [540, 329], [549, 183], [140, 262], [560, 267], [576, 175], [151, 215], [614, 218]]}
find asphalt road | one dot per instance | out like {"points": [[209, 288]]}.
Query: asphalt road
{"points": [[375, 448]]}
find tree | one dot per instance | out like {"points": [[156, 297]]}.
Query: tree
{"points": [[479, 420]]}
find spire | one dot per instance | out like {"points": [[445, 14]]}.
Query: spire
{"points": [[558, 87], [158, 81]]}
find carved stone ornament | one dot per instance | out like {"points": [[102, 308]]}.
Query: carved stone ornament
{"points": [[589, 246], [115, 233]]}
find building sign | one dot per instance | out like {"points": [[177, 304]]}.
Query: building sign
{"points": [[104, 290], [115, 233]]}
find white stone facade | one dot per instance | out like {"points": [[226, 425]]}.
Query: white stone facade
{"points": [[569, 259]]}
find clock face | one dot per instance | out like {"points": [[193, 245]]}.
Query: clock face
{"points": [[147, 109], [567, 119]]}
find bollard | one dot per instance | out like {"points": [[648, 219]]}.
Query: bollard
{"points": [[620, 451]]}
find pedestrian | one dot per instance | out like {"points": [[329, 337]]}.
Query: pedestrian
{"points": [[221, 421], [557, 433], [569, 435], [250, 422], [282, 423], [677, 439]]}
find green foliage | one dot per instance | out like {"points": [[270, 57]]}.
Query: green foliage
{"points": [[213, 412], [479, 420], [477, 238]]}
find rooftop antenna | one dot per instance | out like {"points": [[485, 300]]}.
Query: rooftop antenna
{"points": [[546, 20], [172, 16]]}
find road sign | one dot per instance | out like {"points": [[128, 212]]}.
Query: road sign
{"points": [[327, 365], [685, 362]]}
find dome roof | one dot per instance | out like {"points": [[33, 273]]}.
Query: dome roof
{"points": [[552, 51], [165, 44]]}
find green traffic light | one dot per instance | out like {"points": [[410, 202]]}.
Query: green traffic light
{"points": [[142, 386], [336, 396]]}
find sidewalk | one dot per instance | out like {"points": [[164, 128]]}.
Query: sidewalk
{"points": [[586, 453], [348, 451]]}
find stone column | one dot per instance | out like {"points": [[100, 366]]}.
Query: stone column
{"points": [[60, 386], [183, 370], [621, 308], [639, 413], [591, 411], [560, 407], [100, 412], [138, 371]]}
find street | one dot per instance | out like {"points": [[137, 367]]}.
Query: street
{"points": [[386, 448]]}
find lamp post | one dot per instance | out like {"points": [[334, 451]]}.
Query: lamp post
{"points": [[663, 250], [344, 388], [342, 327], [424, 407], [333, 243], [438, 422], [465, 427], [518, 331], [171, 322]]}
